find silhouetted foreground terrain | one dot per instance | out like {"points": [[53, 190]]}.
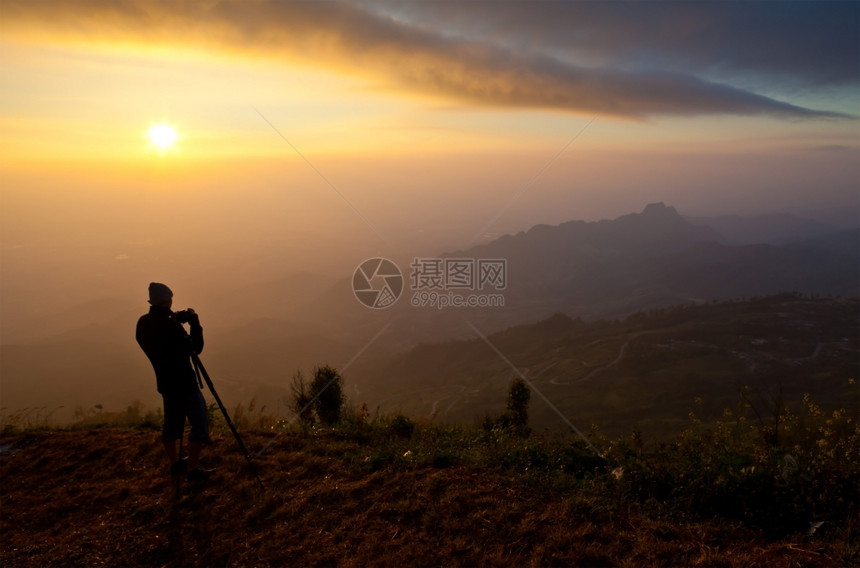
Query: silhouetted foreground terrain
{"points": [[102, 498]]}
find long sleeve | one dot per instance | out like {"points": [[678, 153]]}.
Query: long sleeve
{"points": [[196, 336]]}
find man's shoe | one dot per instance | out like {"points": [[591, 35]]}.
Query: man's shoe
{"points": [[198, 474], [179, 467]]}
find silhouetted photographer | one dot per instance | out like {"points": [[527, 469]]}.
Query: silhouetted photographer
{"points": [[161, 335]]}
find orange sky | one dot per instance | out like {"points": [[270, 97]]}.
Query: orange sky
{"points": [[407, 126]]}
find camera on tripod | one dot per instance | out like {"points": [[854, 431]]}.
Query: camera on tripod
{"points": [[184, 316]]}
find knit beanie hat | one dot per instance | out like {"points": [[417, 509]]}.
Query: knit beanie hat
{"points": [[159, 294]]}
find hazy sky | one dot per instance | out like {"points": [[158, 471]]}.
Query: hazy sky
{"points": [[316, 132]]}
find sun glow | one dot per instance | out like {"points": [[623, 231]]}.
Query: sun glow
{"points": [[163, 136]]}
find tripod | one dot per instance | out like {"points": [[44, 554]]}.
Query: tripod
{"points": [[199, 369]]}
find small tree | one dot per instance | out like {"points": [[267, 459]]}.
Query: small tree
{"points": [[517, 412], [327, 390]]}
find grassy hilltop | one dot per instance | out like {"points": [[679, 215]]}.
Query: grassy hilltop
{"points": [[388, 491]]}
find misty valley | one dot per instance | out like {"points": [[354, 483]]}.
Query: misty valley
{"points": [[622, 324]]}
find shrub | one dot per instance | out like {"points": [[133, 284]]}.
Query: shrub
{"points": [[300, 401], [326, 392], [515, 418], [741, 470], [401, 426]]}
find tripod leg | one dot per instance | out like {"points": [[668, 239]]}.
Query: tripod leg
{"points": [[201, 370], [178, 473]]}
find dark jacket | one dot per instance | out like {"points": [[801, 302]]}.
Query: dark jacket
{"points": [[169, 349]]}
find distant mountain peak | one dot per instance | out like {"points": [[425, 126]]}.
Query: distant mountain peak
{"points": [[655, 215], [659, 208]]}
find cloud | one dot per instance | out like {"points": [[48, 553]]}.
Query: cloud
{"points": [[632, 61], [810, 43]]}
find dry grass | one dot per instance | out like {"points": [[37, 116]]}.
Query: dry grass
{"points": [[103, 498]]}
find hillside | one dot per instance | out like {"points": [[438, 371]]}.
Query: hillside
{"points": [[644, 372], [774, 229], [102, 498]]}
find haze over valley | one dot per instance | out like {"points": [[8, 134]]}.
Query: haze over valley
{"points": [[264, 326]]}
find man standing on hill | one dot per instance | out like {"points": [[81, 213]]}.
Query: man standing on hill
{"points": [[169, 347]]}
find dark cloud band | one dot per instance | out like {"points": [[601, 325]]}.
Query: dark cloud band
{"points": [[504, 63]]}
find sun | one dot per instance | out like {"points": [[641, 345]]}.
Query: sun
{"points": [[163, 136]]}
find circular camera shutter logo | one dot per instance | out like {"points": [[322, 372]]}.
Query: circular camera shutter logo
{"points": [[377, 283]]}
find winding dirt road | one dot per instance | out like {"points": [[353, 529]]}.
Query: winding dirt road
{"points": [[555, 381]]}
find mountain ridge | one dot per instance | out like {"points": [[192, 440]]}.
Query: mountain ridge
{"points": [[657, 227]]}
